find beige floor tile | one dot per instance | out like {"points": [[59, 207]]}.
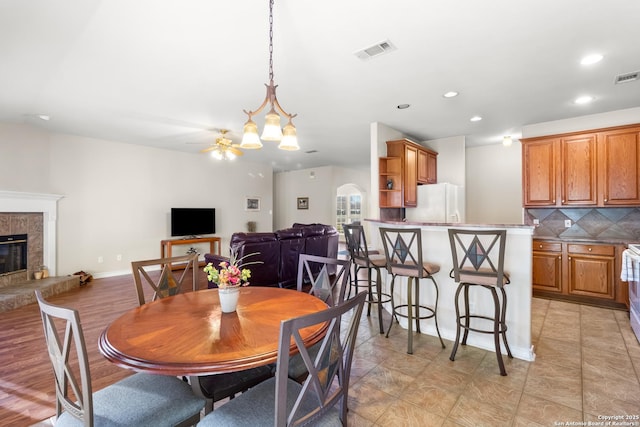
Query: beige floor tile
{"points": [[559, 352], [601, 365], [608, 389], [475, 413], [431, 397], [516, 371], [389, 380], [446, 379], [562, 306], [402, 413], [368, 402], [544, 412], [408, 364], [604, 340], [468, 358], [557, 383], [598, 400], [494, 394]]}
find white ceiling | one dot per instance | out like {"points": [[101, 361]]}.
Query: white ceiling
{"points": [[170, 73]]}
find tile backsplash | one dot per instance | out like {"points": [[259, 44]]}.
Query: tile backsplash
{"points": [[587, 223]]}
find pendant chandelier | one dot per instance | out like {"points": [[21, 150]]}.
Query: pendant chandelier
{"points": [[272, 131]]}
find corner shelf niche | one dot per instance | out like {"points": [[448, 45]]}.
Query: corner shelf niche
{"points": [[390, 169]]}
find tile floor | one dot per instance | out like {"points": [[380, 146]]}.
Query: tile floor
{"points": [[587, 365]]}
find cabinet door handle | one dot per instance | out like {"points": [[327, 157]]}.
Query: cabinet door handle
{"points": [[569, 258], [606, 200], [589, 249], [562, 200], [560, 257], [540, 246]]}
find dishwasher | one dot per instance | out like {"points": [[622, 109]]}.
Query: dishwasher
{"points": [[630, 273]]}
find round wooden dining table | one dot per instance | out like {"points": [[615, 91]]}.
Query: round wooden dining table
{"points": [[187, 334]]}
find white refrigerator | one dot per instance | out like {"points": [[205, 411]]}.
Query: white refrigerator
{"points": [[442, 202]]}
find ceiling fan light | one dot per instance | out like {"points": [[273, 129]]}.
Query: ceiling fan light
{"points": [[289, 140], [217, 154], [272, 130], [230, 155], [250, 138]]}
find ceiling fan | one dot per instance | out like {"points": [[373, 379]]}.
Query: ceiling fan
{"points": [[223, 148]]}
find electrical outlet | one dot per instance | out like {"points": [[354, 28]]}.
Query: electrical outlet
{"points": [[536, 221], [118, 257], [567, 223], [100, 260]]}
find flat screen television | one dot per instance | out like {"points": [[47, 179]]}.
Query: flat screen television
{"points": [[193, 221]]}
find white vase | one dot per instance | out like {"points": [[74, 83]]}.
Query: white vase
{"points": [[229, 299]]}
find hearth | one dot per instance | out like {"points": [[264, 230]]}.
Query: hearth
{"points": [[13, 253]]}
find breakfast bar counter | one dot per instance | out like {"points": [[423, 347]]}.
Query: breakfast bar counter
{"points": [[436, 249]]}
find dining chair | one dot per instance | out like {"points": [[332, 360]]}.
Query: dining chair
{"points": [[362, 258], [478, 261], [313, 271], [140, 399], [322, 398], [169, 282], [213, 387], [403, 252]]}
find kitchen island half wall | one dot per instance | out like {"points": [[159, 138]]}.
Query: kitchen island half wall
{"points": [[436, 249]]}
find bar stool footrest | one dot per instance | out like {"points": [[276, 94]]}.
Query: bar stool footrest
{"points": [[415, 317], [482, 331]]}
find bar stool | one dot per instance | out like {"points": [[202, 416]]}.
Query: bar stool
{"points": [[361, 258], [403, 253], [478, 260]]}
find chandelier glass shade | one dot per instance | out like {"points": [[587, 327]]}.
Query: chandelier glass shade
{"points": [[272, 130]]}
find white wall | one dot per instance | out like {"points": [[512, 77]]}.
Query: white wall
{"points": [[494, 184], [117, 197], [320, 185]]}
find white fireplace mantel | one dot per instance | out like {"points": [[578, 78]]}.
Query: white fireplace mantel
{"points": [[19, 202]]}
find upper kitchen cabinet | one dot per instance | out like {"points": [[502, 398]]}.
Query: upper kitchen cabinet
{"points": [[539, 165], [619, 151], [591, 168], [427, 167], [418, 166]]}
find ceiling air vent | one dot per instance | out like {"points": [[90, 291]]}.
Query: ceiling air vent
{"points": [[311, 151], [375, 50], [628, 77]]}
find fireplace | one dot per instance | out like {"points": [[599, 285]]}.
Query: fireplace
{"points": [[13, 253]]}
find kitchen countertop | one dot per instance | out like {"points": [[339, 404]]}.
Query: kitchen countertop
{"points": [[450, 224]]}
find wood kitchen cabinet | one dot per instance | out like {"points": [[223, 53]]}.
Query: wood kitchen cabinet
{"points": [[417, 165], [547, 266], [577, 271], [595, 168], [591, 270], [619, 151]]}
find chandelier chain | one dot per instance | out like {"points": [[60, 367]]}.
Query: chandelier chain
{"points": [[271, 40]]}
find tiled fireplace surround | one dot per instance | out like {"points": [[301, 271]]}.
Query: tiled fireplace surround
{"points": [[31, 225], [606, 224], [33, 214]]}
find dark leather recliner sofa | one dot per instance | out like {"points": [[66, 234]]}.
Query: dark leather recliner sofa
{"points": [[279, 252]]}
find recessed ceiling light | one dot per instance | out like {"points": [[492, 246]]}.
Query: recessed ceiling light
{"points": [[591, 59], [450, 94], [583, 99], [44, 117], [403, 106], [475, 118]]}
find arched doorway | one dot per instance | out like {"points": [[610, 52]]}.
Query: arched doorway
{"points": [[350, 205]]}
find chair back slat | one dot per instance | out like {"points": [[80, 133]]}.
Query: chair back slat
{"points": [[328, 381], [169, 282], [68, 354], [315, 270], [356, 243], [478, 254], [403, 251]]}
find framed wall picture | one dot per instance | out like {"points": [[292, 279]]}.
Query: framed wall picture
{"points": [[252, 204], [303, 203]]}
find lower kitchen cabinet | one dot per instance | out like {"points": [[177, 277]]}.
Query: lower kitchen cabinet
{"points": [[591, 270], [580, 272]]}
